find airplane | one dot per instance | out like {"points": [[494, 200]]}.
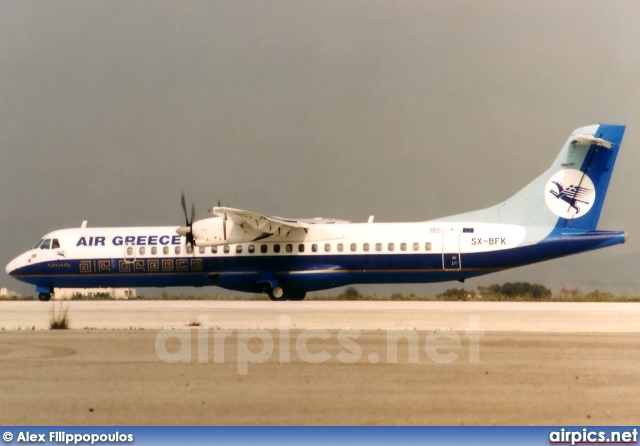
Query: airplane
{"points": [[553, 216]]}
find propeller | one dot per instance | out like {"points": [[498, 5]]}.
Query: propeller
{"points": [[187, 229]]}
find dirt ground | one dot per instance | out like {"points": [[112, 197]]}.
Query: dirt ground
{"points": [[127, 377]]}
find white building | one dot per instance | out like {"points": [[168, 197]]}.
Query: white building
{"points": [[7, 293], [115, 293]]}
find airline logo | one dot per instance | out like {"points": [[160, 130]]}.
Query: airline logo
{"points": [[140, 240], [570, 193]]}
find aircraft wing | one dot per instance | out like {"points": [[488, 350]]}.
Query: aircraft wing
{"points": [[268, 225]]}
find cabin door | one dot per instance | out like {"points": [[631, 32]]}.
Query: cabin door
{"points": [[451, 249]]}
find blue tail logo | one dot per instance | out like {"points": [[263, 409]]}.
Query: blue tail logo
{"points": [[574, 200]]}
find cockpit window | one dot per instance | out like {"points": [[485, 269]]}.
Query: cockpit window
{"points": [[47, 244]]}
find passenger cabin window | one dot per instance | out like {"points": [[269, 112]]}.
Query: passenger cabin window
{"points": [[238, 249], [378, 246], [178, 250], [129, 250], [276, 248], [201, 250], [214, 250], [314, 248], [252, 249], [165, 250], [263, 249], [289, 247], [154, 250], [353, 247], [226, 249], [327, 247], [427, 246], [300, 247], [365, 247], [390, 247], [340, 247], [142, 250], [416, 246], [403, 246], [189, 249]]}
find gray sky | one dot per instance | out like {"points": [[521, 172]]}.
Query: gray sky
{"points": [[408, 110]]}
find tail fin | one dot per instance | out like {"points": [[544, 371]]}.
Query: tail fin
{"points": [[570, 194]]}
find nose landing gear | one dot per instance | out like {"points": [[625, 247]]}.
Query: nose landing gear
{"points": [[44, 293], [44, 297]]}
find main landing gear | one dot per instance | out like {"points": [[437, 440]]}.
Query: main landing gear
{"points": [[270, 287], [44, 297], [280, 294]]}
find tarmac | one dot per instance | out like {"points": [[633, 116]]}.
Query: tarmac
{"points": [[320, 363], [544, 317]]}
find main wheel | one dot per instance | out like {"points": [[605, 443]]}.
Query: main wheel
{"points": [[276, 294], [44, 297], [296, 295], [280, 294]]}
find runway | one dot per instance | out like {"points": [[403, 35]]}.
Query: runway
{"points": [[453, 363], [547, 317]]}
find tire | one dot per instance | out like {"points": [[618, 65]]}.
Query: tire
{"points": [[277, 294], [44, 297], [285, 294], [296, 295]]}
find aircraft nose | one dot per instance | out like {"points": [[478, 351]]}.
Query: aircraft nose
{"points": [[12, 265]]}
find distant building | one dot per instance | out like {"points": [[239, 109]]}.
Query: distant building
{"points": [[7, 293], [114, 293]]}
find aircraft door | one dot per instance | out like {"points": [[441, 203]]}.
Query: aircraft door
{"points": [[451, 249]]}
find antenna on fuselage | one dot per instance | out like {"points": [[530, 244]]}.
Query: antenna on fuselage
{"points": [[84, 224]]}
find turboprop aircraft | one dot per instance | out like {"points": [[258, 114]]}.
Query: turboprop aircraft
{"points": [[555, 215]]}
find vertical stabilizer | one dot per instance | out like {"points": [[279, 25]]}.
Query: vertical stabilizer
{"points": [[570, 194]]}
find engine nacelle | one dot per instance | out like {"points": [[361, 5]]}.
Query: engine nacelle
{"points": [[218, 231]]}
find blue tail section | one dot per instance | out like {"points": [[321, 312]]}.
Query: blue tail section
{"points": [[596, 170], [570, 194]]}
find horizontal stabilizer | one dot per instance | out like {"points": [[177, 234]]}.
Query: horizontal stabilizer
{"points": [[587, 140]]}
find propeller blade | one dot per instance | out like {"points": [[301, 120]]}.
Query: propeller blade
{"points": [[190, 238], [184, 209], [187, 229]]}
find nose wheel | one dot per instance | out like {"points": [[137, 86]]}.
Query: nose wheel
{"points": [[44, 297]]}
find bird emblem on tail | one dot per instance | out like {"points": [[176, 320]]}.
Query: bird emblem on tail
{"points": [[571, 195]]}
